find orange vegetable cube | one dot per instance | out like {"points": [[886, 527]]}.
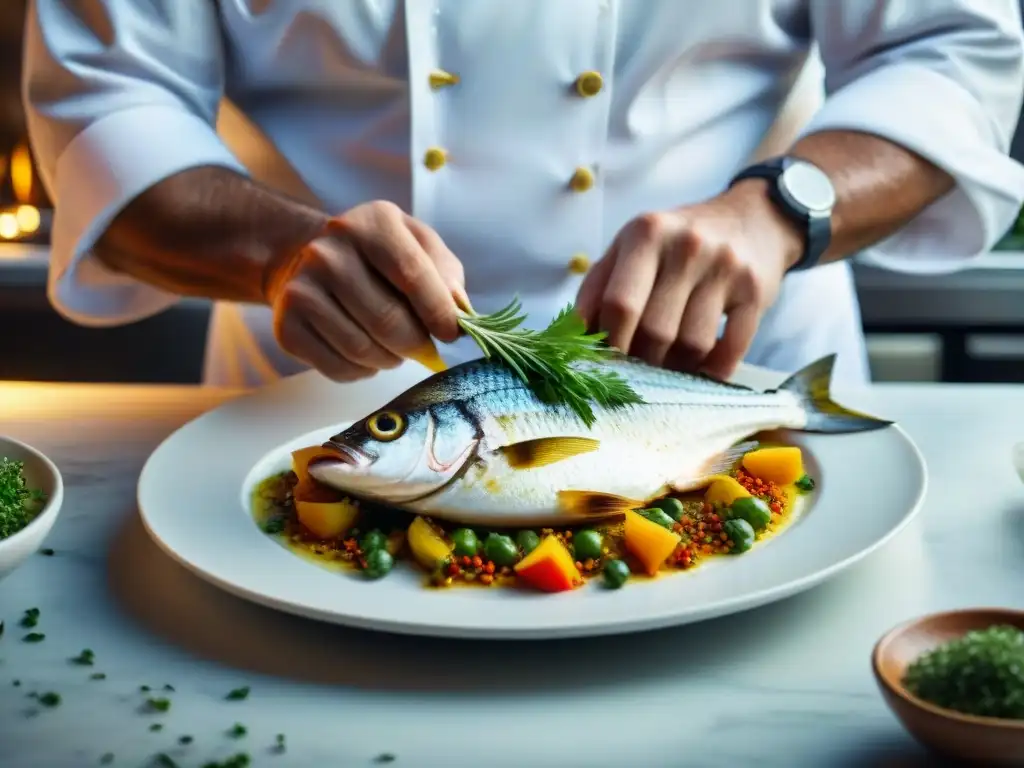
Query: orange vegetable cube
{"points": [[549, 567], [724, 491], [782, 465], [649, 542]]}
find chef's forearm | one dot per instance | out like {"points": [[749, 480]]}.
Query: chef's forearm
{"points": [[207, 232], [880, 186]]}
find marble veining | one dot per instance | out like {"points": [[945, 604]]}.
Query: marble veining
{"points": [[786, 685]]}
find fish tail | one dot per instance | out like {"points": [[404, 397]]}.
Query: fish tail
{"points": [[812, 386]]}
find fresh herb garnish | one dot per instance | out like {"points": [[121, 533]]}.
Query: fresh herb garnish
{"points": [[19, 504], [49, 699], [385, 757], [34, 637], [85, 658], [156, 727], [237, 731], [107, 759], [238, 694], [98, 676], [241, 760], [169, 687], [143, 689], [274, 524], [1, 629], [16, 683], [185, 740], [158, 705], [31, 618], [279, 744], [166, 761], [545, 360], [47, 551], [805, 483]]}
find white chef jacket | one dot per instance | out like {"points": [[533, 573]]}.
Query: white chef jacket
{"points": [[661, 101]]}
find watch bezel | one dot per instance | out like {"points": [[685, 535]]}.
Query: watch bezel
{"points": [[787, 186]]}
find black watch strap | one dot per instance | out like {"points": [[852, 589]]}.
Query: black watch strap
{"points": [[817, 230]]}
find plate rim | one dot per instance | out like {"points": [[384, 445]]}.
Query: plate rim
{"points": [[609, 627]]}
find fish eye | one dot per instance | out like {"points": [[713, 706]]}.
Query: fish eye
{"points": [[386, 425]]}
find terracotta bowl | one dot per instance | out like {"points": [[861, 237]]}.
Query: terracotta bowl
{"points": [[983, 740]]}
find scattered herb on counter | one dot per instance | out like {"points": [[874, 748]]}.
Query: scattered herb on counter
{"points": [[279, 744], [156, 727], [1, 629], [165, 760], [19, 504], [158, 705], [49, 699], [169, 687], [237, 731], [47, 551], [185, 740], [31, 618], [144, 689], [385, 757], [107, 758], [16, 683], [241, 760], [85, 658], [981, 673], [98, 676], [805, 483], [34, 637], [238, 694]]}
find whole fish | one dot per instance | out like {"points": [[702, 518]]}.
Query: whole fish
{"points": [[474, 445]]}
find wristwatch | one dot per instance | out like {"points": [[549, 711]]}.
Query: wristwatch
{"points": [[805, 195]]}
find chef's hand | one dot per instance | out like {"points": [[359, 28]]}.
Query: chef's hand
{"points": [[661, 289], [370, 292]]}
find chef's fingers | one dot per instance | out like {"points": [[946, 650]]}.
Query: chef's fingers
{"points": [[446, 262], [740, 327], [588, 298], [698, 330], [383, 314], [659, 325], [379, 233], [299, 339], [629, 285], [340, 332]]}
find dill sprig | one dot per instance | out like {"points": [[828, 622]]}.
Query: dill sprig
{"points": [[547, 360]]}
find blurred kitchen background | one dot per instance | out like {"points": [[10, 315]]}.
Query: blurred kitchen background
{"points": [[967, 327]]}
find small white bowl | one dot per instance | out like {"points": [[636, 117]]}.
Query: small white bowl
{"points": [[40, 473]]}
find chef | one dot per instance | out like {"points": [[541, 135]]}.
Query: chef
{"points": [[589, 151]]}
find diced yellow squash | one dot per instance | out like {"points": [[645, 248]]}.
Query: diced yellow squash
{"points": [[782, 465], [427, 545], [326, 518], [649, 542], [724, 491]]}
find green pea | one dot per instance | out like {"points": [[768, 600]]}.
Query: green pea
{"points": [[373, 540], [741, 533], [671, 507], [527, 541], [805, 483], [500, 550], [275, 524], [753, 510], [587, 545], [378, 563], [466, 542], [616, 573], [656, 515]]}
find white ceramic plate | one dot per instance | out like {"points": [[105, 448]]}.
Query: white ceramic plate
{"points": [[194, 493]]}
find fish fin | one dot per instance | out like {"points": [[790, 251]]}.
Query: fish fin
{"points": [[715, 466], [595, 504], [530, 454], [812, 386]]}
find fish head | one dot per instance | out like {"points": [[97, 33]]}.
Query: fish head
{"points": [[397, 455]]}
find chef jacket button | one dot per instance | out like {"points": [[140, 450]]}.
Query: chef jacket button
{"points": [[582, 180], [434, 158], [589, 84], [579, 264], [440, 79]]}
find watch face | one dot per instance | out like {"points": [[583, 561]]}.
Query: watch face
{"points": [[809, 186]]}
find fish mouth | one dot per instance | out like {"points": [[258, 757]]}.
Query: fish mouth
{"points": [[345, 455]]}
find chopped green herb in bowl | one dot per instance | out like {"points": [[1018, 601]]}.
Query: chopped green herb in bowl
{"points": [[31, 492]]}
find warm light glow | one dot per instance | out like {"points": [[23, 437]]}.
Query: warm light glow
{"points": [[9, 226], [28, 218], [21, 173]]}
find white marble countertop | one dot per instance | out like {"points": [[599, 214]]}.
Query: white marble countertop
{"points": [[787, 685]]}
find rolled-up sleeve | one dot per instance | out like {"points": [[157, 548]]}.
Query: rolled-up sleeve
{"points": [[945, 79], [120, 95]]}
